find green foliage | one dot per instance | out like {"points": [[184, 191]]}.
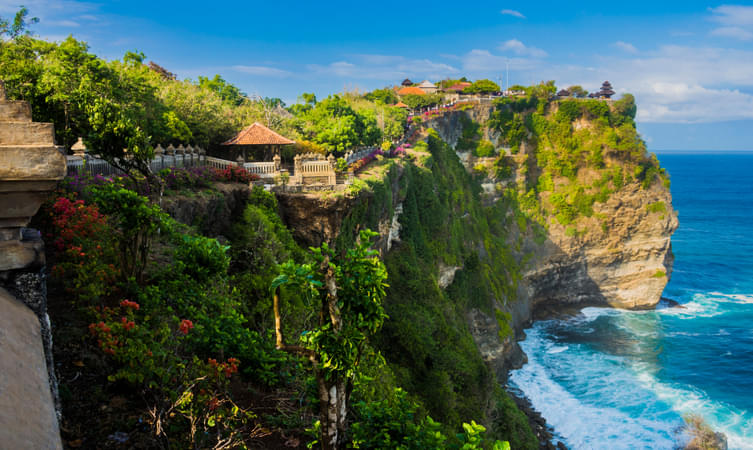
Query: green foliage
{"points": [[384, 96], [421, 101], [659, 274], [394, 422], [226, 91], [657, 207], [481, 87], [577, 91], [19, 25], [136, 223], [201, 258], [337, 126], [484, 148], [504, 319]]}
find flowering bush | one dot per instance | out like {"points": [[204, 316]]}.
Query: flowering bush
{"points": [[85, 254], [188, 392], [235, 174]]}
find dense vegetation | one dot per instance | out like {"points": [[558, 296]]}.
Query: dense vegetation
{"points": [[580, 151]]}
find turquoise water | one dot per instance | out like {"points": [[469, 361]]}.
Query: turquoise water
{"points": [[623, 380]]}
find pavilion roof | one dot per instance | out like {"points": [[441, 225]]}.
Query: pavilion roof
{"points": [[407, 82], [427, 84], [401, 105], [411, 90], [258, 134]]}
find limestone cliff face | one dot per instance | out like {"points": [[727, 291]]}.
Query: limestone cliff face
{"points": [[625, 264], [624, 259]]}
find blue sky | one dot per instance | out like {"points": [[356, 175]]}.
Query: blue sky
{"points": [[689, 64]]}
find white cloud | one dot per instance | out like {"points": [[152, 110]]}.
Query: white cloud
{"points": [[519, 48], [674, 84], [264, 71], [62, 23], [384, 67], [512, 12], [736, 21], [625, 46], [733, 15], [733, 32]]}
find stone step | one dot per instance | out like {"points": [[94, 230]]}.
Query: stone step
{"points": [[21, 162], [15, 111], [26, 133]]}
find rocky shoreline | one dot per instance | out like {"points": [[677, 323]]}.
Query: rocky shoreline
{"points": [[543, 431]]}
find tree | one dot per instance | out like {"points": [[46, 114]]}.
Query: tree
{"points": [[335, 124], [19, 25], [227, 92], [482, 87], [347, 293], [385, 96], [543, 90], [578, 91]]}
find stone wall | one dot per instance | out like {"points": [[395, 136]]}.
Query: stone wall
{"points": [[30, 167]]}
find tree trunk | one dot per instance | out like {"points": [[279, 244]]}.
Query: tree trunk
{"points": [[332, 412]]}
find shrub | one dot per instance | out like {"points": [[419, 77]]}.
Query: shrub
{"points": [[484, 148]]}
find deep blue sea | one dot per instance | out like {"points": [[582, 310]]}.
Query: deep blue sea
{"points": [[610, 379]]}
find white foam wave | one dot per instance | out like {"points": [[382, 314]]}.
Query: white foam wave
{"points": [[701, 306], [733, 298], [591, 313], [556, 349], [585, 415], [737, 425]]}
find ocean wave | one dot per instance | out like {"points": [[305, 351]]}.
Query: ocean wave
{"points": [[583, 395], [702, 305], [733, 298], [737, 425]]}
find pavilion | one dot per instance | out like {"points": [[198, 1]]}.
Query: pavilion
{"points": [[401, 105], [255, 141], [407, 82]]}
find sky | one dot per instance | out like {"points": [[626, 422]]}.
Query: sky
{"points": [[689, 64]]}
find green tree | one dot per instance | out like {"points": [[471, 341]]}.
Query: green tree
{"points": [[385, 96], [482, 87], [18, 27], [578, 91], [347, 294], [227, 92], [335, 124]]}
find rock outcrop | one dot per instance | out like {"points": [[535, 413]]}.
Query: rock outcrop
{"points": [[625, 264]]}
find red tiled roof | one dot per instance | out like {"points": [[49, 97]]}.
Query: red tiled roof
{"points": [[411, 91], [258, 134]]}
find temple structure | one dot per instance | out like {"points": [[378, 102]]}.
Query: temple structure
{"points": [[255, 141]]}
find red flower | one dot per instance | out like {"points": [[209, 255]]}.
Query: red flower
{"points": [[185, 326], [129, 304]]}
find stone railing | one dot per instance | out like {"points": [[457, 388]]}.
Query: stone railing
{"points": [[86, 163], [265, 170], [312, 168], [352, 156]]}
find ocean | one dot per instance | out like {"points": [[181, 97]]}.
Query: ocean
{"points": [[611, 379]]}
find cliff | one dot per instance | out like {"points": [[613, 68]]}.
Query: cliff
{"points": [[564, 211]]}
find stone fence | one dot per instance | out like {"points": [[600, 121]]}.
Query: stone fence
{"points": [[314, 168], [352, 156], [86, 163]]}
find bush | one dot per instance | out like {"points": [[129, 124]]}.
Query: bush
{"points": [[484, 148]]}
